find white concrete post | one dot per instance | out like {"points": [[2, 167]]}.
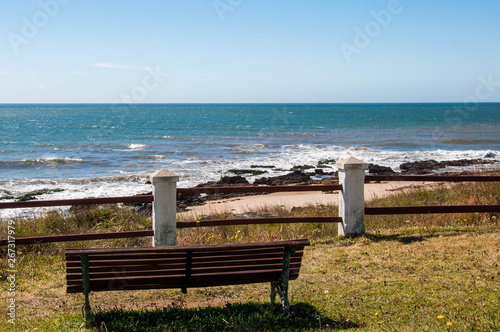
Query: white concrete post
{"points": [[352, 196], [164, 208]]}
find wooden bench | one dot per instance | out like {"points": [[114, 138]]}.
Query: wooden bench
{"points": [[92, 270]]}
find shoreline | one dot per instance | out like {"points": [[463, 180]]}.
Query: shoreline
{"points": [[289, 200], [301, 175]]}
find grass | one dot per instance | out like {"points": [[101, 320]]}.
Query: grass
{"points": [[407, 273]]}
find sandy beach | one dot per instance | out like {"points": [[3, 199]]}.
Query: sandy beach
{"points": [[296, 199]]}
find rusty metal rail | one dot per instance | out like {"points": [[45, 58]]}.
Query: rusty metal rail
{"points": [[258, 221], [244, 189], [258, 189], [78, 237], [80, 201], [189, 224], [431, 209], [433, 178], [150, 198]]}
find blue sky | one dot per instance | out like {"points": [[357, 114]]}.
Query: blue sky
{"points": [[195, 51]]}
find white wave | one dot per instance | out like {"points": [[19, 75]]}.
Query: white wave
{"points": [[136, 147], [195, 170], [154, 157], [72, 188], [53, 160]]}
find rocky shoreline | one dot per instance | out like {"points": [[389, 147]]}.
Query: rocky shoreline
{"points": [[299, 174], [308, 174]]}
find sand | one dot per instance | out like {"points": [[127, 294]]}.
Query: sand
{"points": [[296, 199]]}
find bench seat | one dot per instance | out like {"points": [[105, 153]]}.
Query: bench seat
{"points": [[92, 270]]}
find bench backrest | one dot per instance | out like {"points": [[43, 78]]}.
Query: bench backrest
{"points": [[182, 267]]}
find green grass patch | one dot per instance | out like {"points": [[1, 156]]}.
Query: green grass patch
{"points": [[250, 316]]}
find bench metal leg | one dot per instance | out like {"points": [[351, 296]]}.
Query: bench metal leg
{"points": [[89, 316], [281, 287]]}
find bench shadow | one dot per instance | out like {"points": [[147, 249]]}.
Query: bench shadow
{"points": [[349, 240], [404, 239], [251, 316]]}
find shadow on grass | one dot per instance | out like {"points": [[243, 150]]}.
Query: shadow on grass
{"points": [[249, 316], [404, 239]]}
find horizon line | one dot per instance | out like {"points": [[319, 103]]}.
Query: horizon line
{"points": [[247, 103]]}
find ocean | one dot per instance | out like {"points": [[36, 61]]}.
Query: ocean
{"points": [[99, 150]]}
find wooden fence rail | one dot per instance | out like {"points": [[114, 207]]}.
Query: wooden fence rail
{"points": [[189, 224], [245, 189], [78, 237], [433, 178], [351, 165], [390, 210], [79, 201], [150, 198]]}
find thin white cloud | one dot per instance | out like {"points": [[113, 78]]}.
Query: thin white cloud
{"points": [[42, 86], [109, 65]]}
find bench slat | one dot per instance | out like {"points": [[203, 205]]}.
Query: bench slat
{"points": [[161, 278], [196, 261], [128, 262], [123, 274], [124, 268], [178, 281], [75, 258], [204, 248], [142, 255], [198, 255], [75, 273]]}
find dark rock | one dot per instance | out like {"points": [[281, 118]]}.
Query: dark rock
{"points": [[233, 180], [226, 180], [25, 198], [326, 161], [465, 162], [301, 168], [490, 155], [6, 194], [32, 194], [419, 167], [262, 166], [428, 166], [380, 170], [295, 177], [247, 171]]}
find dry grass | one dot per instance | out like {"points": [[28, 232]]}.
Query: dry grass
{"points": [[475, 193], [404, 282]]}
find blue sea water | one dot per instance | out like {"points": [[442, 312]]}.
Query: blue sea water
{"points": [[108, 150]]}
